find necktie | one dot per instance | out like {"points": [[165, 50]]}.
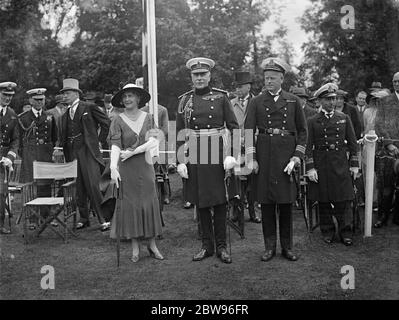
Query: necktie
{"points": [[71, 113]]}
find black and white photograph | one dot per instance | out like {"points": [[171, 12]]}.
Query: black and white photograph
{"points": [[199, 157]]}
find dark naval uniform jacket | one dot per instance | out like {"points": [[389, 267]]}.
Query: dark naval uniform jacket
{"points": [[282, 135], [88, 118], [206, 114], [330, 139], [38, 136], [9, 141]]}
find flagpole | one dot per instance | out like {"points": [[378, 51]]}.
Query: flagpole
{"points": [[152, 59]]}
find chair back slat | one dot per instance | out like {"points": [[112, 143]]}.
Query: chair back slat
{"points": [[57, 171], [15, 173]]}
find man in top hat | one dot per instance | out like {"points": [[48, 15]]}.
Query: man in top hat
{"points": [[303, 96], [9, 143], [205, 113], [386, 127], [331, 137], [244, 180], [81, 140], [280, 120]]}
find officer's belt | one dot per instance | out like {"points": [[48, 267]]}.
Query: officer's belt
{"points": [[276, 131], [215, 132], [71, 139], [331, 147]]}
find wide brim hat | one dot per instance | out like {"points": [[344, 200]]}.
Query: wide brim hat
{"points": [[117, 98], [70, 85], [377, 94]]}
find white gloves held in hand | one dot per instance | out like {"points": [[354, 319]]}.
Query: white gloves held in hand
{"points": [[182, 170], [229, 163], [115, 176], [312, 175], [6, 162], [291, 165]]}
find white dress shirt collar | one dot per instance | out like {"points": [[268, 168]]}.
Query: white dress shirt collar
{"points": [[37, 113]]}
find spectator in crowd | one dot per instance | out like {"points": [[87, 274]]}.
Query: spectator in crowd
{"points": [[386, 127], [84, 128], [342, 105]]}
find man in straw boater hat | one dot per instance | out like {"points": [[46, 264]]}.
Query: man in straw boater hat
{"points": [[279, 118], [386, 128], [331, 137], [245, 181], [9, 143], [205, 113], [81, 140]]}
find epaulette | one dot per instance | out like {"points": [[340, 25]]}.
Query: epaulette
{"points": [[220, 90], [186, 93]]}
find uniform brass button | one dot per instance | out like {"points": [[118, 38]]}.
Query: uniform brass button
{"points": [[209, 126], [267, 109], [212, 99], [284, 121], [212, 107], [194, 118], [268, 115], [196, 127], [210, 117], [285, 115], [270, 122], [283, 128]]}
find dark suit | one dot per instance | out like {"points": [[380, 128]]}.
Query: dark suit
{"points": [[353, 114], [80, 140], [273, 152], [9, 144]]}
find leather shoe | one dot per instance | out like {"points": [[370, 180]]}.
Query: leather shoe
{"points": [[268, 255], [82, 225], [3, 230], [347, 241], [327, 240], [224, 256], [187, 205], [288, 254], [202, 255], [255, 220]]}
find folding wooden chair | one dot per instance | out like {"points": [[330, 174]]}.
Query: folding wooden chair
{"points": [[14, 187], [56, 205]]}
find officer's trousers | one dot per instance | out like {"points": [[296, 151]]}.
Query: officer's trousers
{"points": [[213, 231], [270, 229], [340, 210]]}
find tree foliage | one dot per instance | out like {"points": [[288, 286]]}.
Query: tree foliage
{"points": [[356, 57]]}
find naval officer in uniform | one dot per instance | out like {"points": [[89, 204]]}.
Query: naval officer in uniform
{"points": [[280, 120]]}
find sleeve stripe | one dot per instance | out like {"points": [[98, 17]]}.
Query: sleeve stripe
{"points": [[12, 154], [300, 149], [250, 150]]}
